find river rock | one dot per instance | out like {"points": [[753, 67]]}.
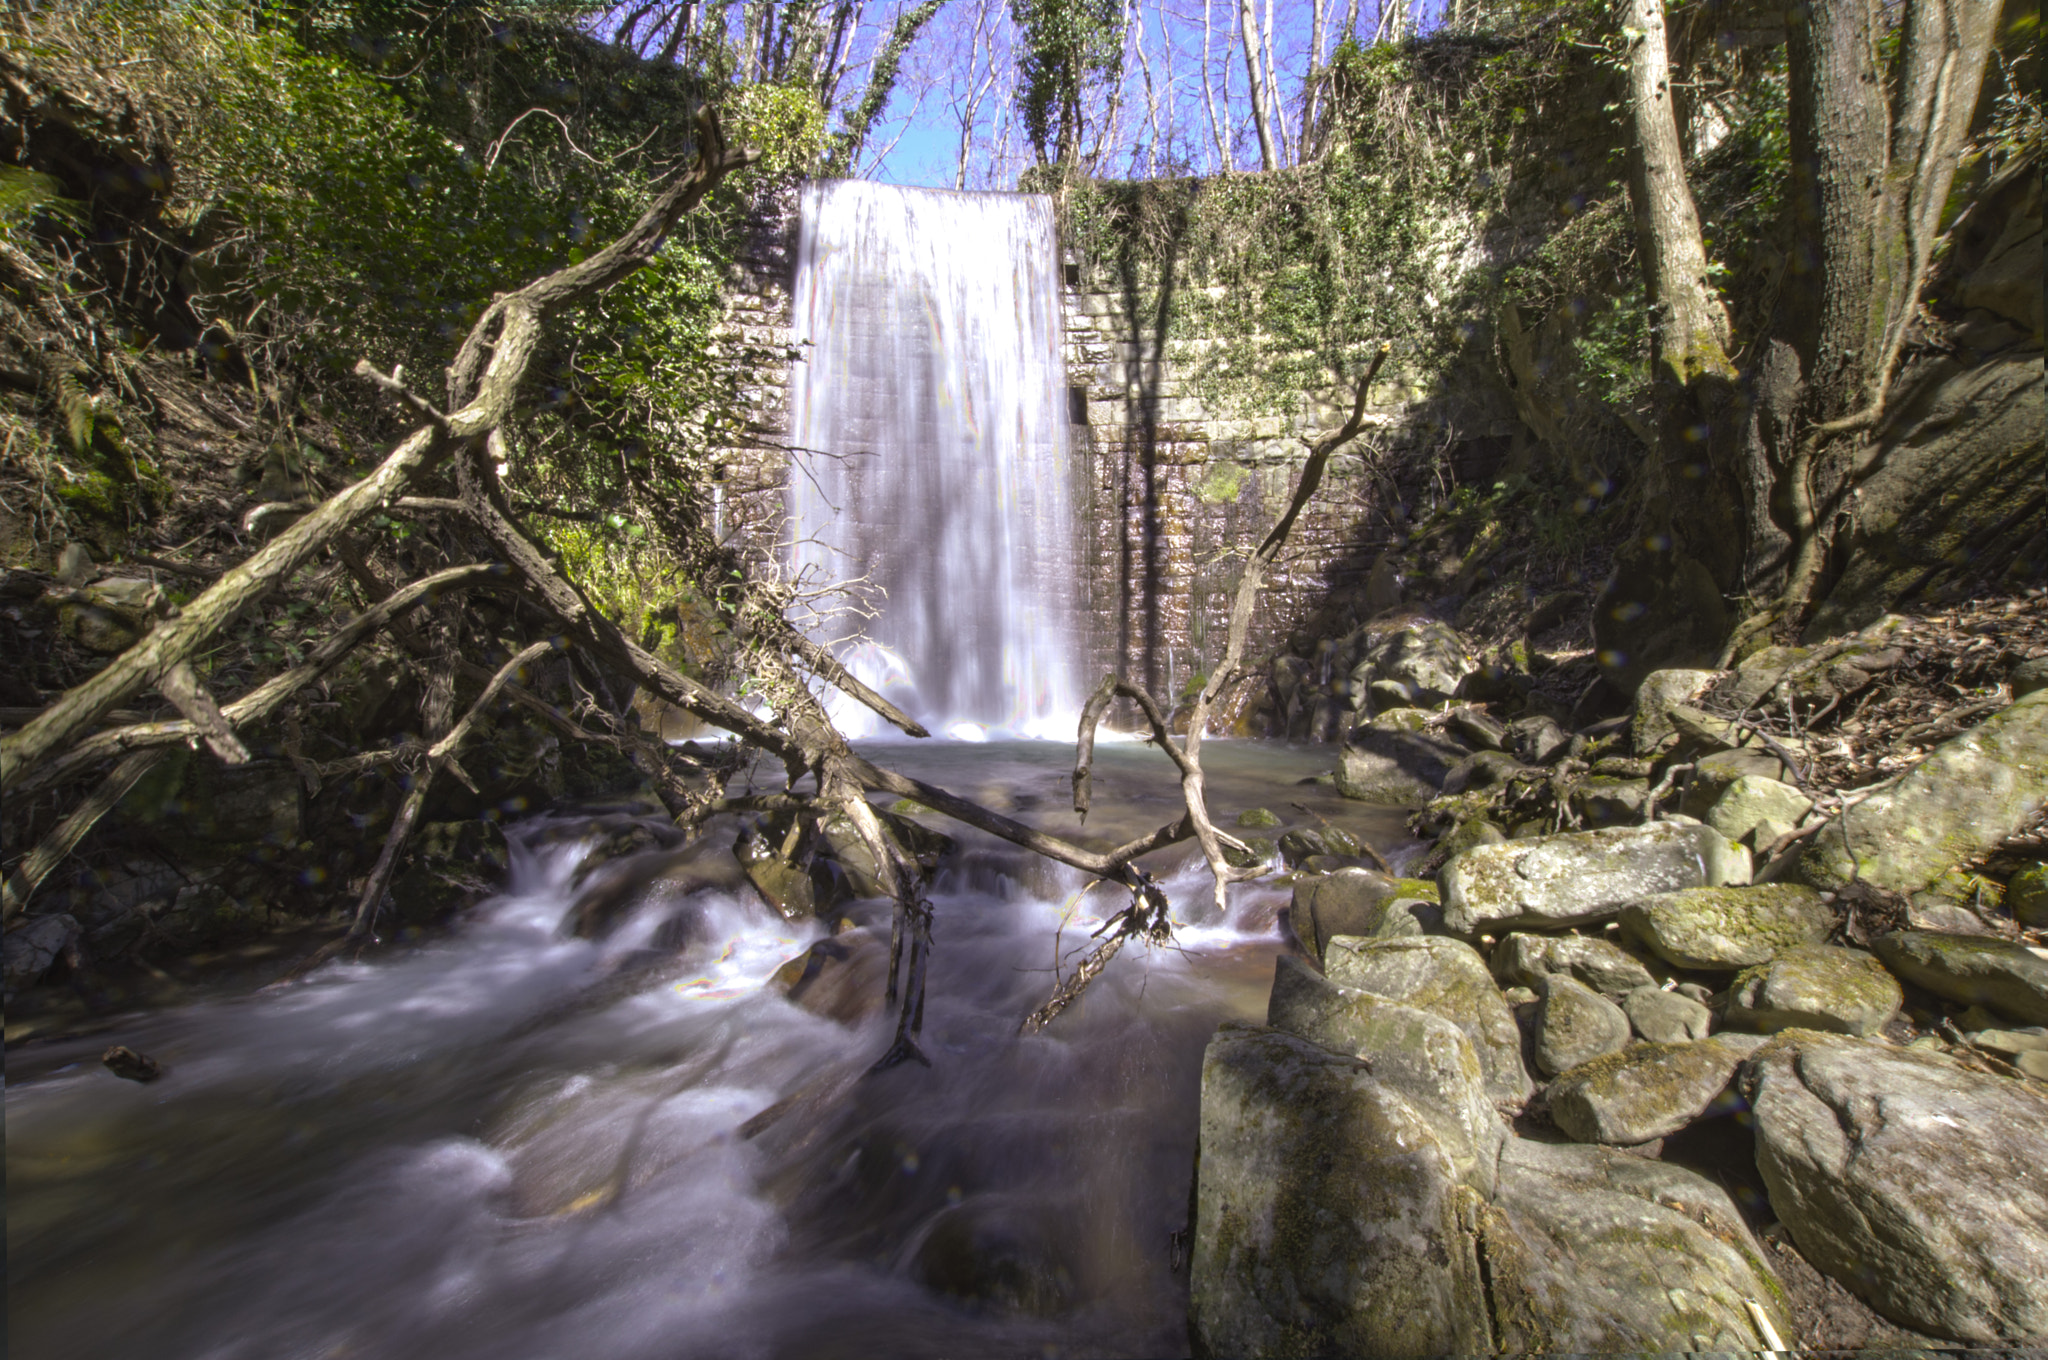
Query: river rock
{"points": [[1537, 740], [1723, 929], [1713, 774], [1753, 801], [2027, 897], [1574, 1024], [1589, 1251], [1968, 795], [1520, 959], [1449, 979], [1426, 658], [2009, 978], [1423, 1056], [1395, 768], [1650, 731], [1351, 901], [1666, 1017], [1550, 882], [1842, 991], [1920, 1185], [1642, 1092], [1328, 1217]]}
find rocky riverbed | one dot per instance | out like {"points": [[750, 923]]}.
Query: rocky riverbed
{"points": [[1687, 1045]]}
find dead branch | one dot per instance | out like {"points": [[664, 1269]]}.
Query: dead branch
{"points": [[182, 687], [29, 874], [266, 698], [482, 393]]}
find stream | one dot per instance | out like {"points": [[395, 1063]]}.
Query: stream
{"points": [[506, 1142]]}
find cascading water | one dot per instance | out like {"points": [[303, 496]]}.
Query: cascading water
{"points": [[929, 417]]}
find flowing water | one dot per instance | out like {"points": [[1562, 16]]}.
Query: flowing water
{"points": [[929, 414], [507, 1142]]}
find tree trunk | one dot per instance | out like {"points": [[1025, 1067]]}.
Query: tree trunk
{"points": [[1690, 339], [1209, 96], [1248, 29]]}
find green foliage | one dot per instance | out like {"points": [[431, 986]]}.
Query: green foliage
{"points": [[26, 196], [784, 123], [881, 84], [1063, 48]]}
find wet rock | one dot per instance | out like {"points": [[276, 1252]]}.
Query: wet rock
{"points": [[841, 978], [1537, 740], [1520, 959], [1723, 929], [1347, 902], [1666, 1017], [31, 949], [2009, 978], [2027, 897], [850, 852], [1651, 731], [129, 1065], [1402, 719], [1574, 1024], [1589, 1250], [1482, 770], [1395, 768], [1329, 1219], [1257, 819], [1820, 987], [1423, 1056], [1550, 882], [1644, 1091], [1301, 844], [1968, 795], [997, 1252], [1920, 1185], [1449, 979], [1752, 802]]}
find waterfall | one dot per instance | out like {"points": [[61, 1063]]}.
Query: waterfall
{"points": [[929, 419]]}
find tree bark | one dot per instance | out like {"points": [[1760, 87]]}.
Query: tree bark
{"points": [[1248, 30]]}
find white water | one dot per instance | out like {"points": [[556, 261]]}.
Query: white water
{"points": [[930, 417], [508, 1143]]}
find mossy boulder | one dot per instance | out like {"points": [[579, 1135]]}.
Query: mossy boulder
{"points": [[1520, 959], [1328, 1217], [1819, 987], [1713, 774], [1644, 1091], [1605, 800], [1256, 819], [1920, 1185], [1723, 929], [1395, 768], [1551, 882], [2009, 978], [1967, 796], [1593, 1251], [1753, 801], [1423, 1056], [1449, 979], [1469, 835], [1574, 1024]]}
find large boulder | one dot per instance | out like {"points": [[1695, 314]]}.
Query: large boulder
{"points": [[1575, 1024], [2009, 978], [1328, 1219], [1589, 1250], [1447, 978], [2027, 897], [1842, 991], [1549, 882], [1644, 1091], [1752, 802], [1520, 959], [1423, 1056], [1723, 929], [30, 949], [1395, 768], [1920, 1185], [1968, 795], [1362, 902]]}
